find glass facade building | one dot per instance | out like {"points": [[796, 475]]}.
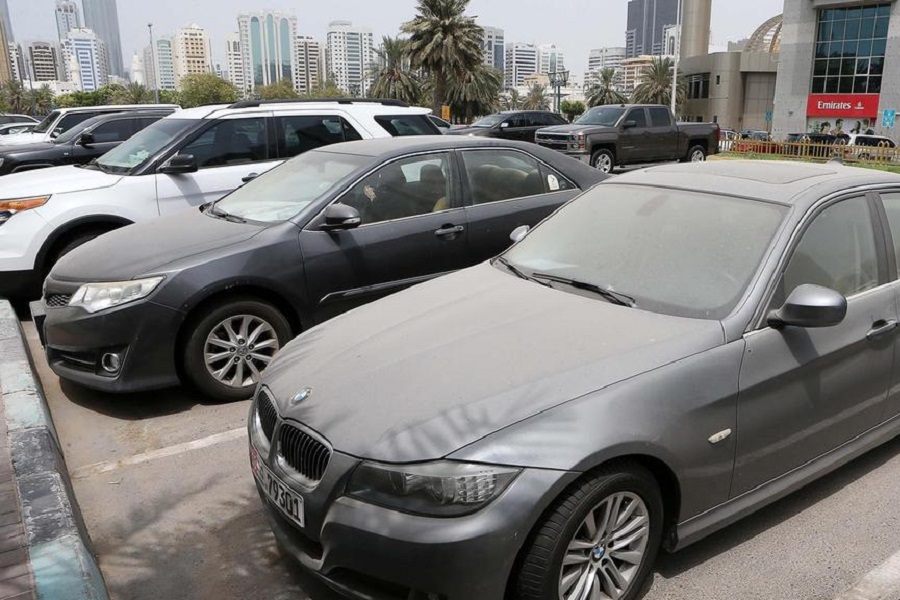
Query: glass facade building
{"points": [[851, 44], [267, 45]]}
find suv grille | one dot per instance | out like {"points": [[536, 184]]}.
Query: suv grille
{"points": [[267, 415], [303, 453], [57, 300]]}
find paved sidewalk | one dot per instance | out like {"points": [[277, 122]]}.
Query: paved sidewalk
{"points": [[16, 580]]}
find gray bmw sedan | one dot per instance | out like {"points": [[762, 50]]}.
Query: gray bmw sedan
{"points": [[665, 354]]}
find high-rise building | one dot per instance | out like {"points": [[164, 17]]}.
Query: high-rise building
{"points": [[4, 14], [159, 65], [43, 63], [86, 58], [16, 65], [349, 53], [5, 69], [550, 59], [267, 46], [138, 72], [308, 71], [647, 20], [234, 62], [103, 17], [493, 44], [192, 52], [604, 58], [67, 18], [522, 60]]}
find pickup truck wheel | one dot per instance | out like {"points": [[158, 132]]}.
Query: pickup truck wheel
{"points": [[696, 154], [603, 160]]}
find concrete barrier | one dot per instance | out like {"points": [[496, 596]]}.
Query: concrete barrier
{"points": [[58, 544]]}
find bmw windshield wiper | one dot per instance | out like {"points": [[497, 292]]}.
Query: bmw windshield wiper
{"points": [[608, 295], [221, 214], [518, 272]]}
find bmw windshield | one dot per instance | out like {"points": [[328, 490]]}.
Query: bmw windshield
{"points": [[141, 147]]}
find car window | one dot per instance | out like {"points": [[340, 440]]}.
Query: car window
{"points": [[836, 251], [402, 125], [891, 202], [114, 131], [407, 187], [554, 181], [637, 115], [660, 117], [301, 133], [518, 121], [230, 142], [496, 175], [554, 119], [71, 120], [537, 120]]}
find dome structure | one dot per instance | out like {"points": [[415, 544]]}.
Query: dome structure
{"points": [[767, 37]]}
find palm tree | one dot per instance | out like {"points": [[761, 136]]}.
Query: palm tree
{"points": [[603, 91], [392, 74], [14, 96], [444, 42], [537, 98], [478, 90], [136, 93], [656, 84], [511, 100], [41, 99]]}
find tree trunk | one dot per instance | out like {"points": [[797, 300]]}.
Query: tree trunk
{"points": [[440, 91], [469, 112]]}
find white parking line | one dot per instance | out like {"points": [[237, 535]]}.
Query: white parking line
{"points": [[112, 465], [882, 583]]}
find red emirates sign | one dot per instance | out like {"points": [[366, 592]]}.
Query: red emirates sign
{"points": [[842, 105]]}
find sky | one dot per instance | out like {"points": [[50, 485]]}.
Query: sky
{"points": [[575, 26]]}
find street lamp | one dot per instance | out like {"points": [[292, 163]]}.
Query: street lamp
{"points": [[558, 79], [153, 64], [674, 93]]}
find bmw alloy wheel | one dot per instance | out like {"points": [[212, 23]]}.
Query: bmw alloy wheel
{"points": [[238, 348], [606, 553]]}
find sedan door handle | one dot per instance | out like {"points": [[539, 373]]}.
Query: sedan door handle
{"points": [[880, 328], [448, 230]]}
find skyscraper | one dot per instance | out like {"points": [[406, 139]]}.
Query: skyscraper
{"points": [[67, 18], [267, 45], [234, 62], [308, 70], [43, 62], [103, 17], [5, 69], [159, 65], [492, 43], [87, 61], [522, 60], [192, 52], [550, 59], [349, 52], [4, 11], [16, 65], [647, 20]]}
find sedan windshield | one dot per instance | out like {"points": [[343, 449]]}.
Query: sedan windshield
{"points": [[678, 253], [284, 191], [139, 148], [601, 115], [489, 121]]}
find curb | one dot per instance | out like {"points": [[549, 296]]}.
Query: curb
{"points": [[59, 548]]}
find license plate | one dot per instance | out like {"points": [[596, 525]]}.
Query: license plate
{"points": [[290, 503]]}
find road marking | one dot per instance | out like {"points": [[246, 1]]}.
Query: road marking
{"points": [[881, 583], [112, 465]]}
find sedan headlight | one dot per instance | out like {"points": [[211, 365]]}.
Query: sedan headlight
{"points": [[93, 297], [442, 489]]}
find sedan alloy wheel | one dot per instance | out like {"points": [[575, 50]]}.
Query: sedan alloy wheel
{"points": [[239, 348]]}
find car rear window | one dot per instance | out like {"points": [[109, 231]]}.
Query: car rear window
{"points": [[402, 125]]}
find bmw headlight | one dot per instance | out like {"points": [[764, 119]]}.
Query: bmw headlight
{"points": [[93, 297], [441, 489]]}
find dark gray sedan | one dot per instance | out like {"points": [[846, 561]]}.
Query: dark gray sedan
{"points": [[636, 372]]}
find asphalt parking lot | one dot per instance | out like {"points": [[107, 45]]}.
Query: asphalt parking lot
{"points": [[165, 489]]}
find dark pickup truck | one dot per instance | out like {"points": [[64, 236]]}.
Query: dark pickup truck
{"points": [[625, 134]]}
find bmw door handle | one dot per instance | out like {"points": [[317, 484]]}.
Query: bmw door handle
{"points": [[449, 230], [881, 328]]}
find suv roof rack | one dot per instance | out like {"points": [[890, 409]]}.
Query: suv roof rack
{"points": [[382, 101]]}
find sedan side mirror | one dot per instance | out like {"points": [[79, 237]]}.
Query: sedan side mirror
{"points": [[179, 164], [86, 139], [341, 216], [810, 306], [629, 124], [519, 232]]}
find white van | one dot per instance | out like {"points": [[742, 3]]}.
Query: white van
{"points": [[187, 159]]}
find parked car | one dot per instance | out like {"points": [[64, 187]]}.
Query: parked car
{"points": [[371, 218], [511, 124], [7, 118], [727, 139], [669, 352], [618, 135], [757, 135], [187, 159], [440, 123], [14, 128], [869, 146], [80, 144], [62, 119]]}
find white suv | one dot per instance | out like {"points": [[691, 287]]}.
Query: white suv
{"points": [[193, 157]]}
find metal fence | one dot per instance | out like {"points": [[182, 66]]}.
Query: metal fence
{"points": [[816, 151]]}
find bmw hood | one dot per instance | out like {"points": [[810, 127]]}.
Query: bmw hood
{"points": [[54, 180], [147, 247], [421, 374]]}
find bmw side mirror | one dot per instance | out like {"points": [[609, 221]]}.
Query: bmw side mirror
{"points": [[86, 139], [339, 217], [629, 124], [519, 232], [810, 306], [179, 164]]}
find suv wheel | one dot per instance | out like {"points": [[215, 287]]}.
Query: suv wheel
{"points": [[599, 541], [603, 160], [228, 348]]}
